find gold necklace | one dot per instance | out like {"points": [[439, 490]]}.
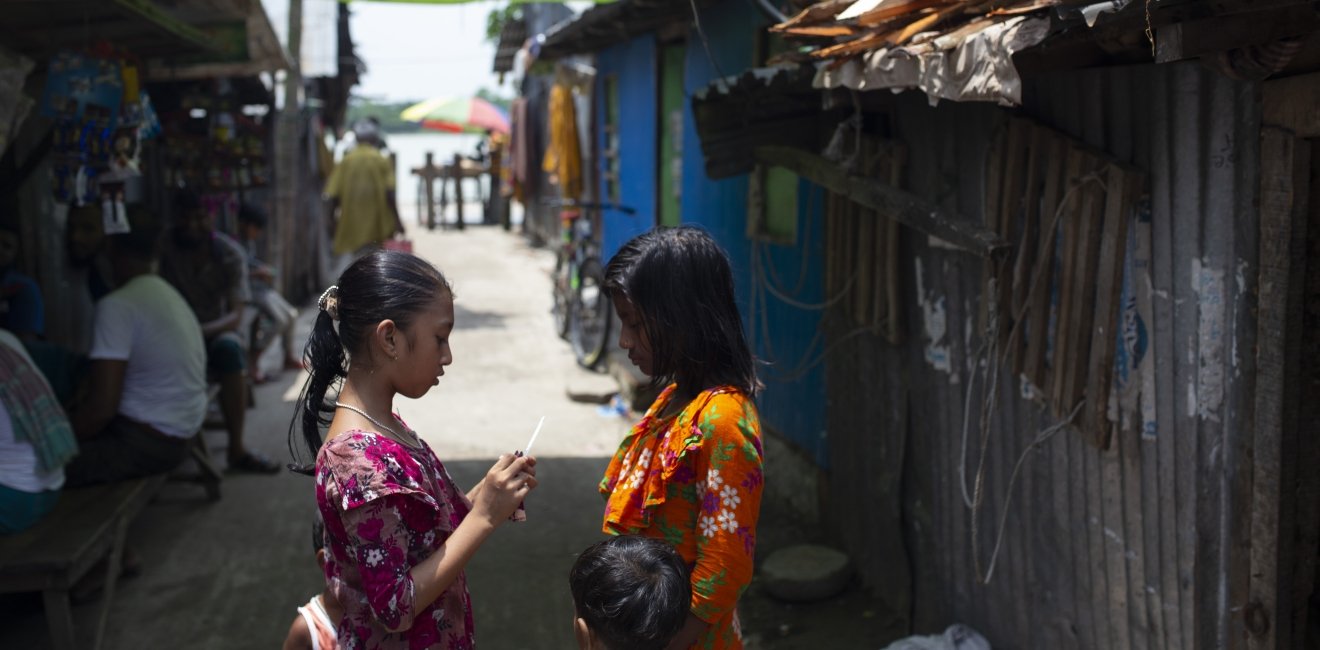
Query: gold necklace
{"points": [[416, 442]]}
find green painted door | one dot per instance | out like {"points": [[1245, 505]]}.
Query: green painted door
{"points": [[672, 106]]}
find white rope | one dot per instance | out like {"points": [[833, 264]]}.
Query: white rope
{"points": [[1041, 438]]}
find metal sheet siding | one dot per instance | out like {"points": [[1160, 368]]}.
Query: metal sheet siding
{"points": [[633, 66], [793, 403], [1125, 548]]}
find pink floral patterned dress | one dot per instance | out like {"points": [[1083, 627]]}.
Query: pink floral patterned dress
{"points": [[386, 508]]}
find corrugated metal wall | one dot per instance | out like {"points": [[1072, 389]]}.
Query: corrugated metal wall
{"points": [[1123, 548]]}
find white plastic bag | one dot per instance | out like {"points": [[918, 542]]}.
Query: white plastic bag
{"points": [[956, 637]]}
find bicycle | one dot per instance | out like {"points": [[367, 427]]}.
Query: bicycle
{"points": [[581, 304]]}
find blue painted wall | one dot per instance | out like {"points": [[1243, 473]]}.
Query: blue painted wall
{"points": [[633, 66], [786, 337]]}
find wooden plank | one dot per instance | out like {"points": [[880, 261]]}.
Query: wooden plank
{"points": [[1269, 609], [1194, 38], [1081, 310], [997, 173], [893, 289], [80, 524], [1108, 282], [1070, 225], [1010, 214], [166, 21], [864, 247], [905, 207], [1118, 208], [1293, 103], [1308, 430], [1024, 266], [1038, 321]]}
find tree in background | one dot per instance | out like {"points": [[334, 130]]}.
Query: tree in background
{"points": [[497, 18]]}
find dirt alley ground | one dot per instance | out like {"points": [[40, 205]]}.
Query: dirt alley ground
{"points": [[229, 574]]}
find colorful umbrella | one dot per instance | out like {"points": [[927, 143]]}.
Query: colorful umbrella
{"points": [[458, 115]]}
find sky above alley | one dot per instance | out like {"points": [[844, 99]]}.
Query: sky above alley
{"points": [[412, 51], [420, 51]]}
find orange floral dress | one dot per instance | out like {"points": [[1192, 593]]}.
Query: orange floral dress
{"points": [[694, 480]]}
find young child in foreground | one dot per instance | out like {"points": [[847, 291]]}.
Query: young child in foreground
{"points": [[629, 593], [315, 625]]}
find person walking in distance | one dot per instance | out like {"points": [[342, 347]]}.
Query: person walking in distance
{"points": [[361, 189]]}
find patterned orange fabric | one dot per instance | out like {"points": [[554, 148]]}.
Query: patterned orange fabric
{"points": [[694, 480]]}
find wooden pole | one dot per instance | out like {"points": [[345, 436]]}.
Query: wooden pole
{"points": [[458, 188], [429, 179], [497, 202], [282, 227]]}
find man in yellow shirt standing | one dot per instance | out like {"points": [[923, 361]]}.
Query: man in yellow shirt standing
{"points": [[361, 188]]}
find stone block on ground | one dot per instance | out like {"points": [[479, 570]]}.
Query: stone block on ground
{"points": [[805, 573], [591, 388]]}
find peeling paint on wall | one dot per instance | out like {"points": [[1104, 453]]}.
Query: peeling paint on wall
{"points": [[1208, 283], [935, 322], [1242, 268]]}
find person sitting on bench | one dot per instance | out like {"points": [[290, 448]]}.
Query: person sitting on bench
{"points": [[35, 440], [270, 305], [146, 392], [210, 270]]}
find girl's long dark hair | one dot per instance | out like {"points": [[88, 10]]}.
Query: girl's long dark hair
{"points": [[680, 281], [381, 285]]}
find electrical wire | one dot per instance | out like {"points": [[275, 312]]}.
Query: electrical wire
{"points": [[696, 22]]}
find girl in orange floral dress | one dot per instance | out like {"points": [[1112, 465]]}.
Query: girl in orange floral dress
{"points": [[690, 472]]}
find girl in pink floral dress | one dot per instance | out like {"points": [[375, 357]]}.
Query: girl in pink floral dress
{"points": [[398, 531]]}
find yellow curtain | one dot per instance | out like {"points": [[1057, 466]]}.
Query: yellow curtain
{"points": [[563, 159]]}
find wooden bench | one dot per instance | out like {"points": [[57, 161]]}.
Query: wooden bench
{"points": [[86, 524], [208, 475]]}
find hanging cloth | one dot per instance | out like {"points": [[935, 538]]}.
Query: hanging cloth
{"points": [[563, 158], [34, 410]]}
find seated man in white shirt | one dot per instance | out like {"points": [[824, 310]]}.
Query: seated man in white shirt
{"points": [[147, 370]]}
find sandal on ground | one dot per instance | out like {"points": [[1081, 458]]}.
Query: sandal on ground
{"points": [[260, 378], [253, 463]]}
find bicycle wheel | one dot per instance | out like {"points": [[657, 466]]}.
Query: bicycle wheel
{"points": [[561, 286], [591, 315]]}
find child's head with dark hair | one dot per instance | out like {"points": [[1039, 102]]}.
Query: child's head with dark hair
{"points": [[186, 200], [629, 593], [251, 215], [142, 241], [673, 291], [133, 253], [84, 233], [190, 224], [251, 221], [390, 307]]}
